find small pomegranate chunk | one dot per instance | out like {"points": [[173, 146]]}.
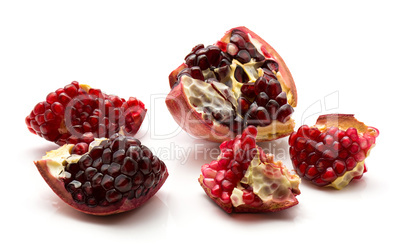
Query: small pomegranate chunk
{"points": [[223, 88], [79, 113], [114, 175], [332, 152], [244, 179]]}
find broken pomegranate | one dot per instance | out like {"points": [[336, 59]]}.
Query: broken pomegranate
{"points": [[223, 88], [107, 176], [79, 113], [244, 179], [332, 152]]}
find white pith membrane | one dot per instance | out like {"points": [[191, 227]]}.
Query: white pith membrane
{"points": [[219, 95], [58, 159], [271, 182]]}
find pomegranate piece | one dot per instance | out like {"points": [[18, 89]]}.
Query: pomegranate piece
{"points": [[244, 179], [239, 81], [79, 113], [332, 153], [113, 176]]}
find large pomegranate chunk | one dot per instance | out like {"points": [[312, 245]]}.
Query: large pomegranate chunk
{"points": [[109, 176], [239, 81], [332, 152], [244, 179], [79, 113]]}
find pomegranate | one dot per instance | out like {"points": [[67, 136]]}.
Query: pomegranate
{"points": [[107, 176], [241, 80], [79, 113], [332, 152], [244, 179]]}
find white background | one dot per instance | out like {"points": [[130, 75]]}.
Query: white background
{"points": [[345, 57]]}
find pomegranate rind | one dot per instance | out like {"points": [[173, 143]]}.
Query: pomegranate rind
{"points": [[58, 188], [287, 79]]}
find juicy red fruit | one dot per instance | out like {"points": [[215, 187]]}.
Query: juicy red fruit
{"points": [[76, 114], [248, 80], [115, 175], [222, 176], [265, 88], [323, 156]]}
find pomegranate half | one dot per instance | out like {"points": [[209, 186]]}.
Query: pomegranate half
{"points": [[108, 176], [239, 81], [332, 152], [244, 179]]}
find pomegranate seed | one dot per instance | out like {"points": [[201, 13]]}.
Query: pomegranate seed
{"points": [[262, 99], [238, 40], [272, 108], [346, 142], [329, 175], [301, 170], [251, 130], [220, 175], [216, 191], [311, 172], [243, 56], [350, 163], [360, 156], [232, 49], [247, 90], [261, 85], [270, 64], [240, 75], [273, 89], [39, 108], [352, 133], [284, 113], [300, 143], [227, 185], [281, 99], [329, 154], [263, 116], [328, 140], [248, 197], [71, 90], [339, 167], [354, 148], [244, 105], [51, 97]]}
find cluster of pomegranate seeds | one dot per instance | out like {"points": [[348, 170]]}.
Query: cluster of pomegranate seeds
{"points": [[323, 156], [73, 114], [263, 101], [222, 176], [260, 102], [118, 168]]}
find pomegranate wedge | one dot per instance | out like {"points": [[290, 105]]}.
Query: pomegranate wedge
{"points": [[79, 113], [332, 153], [107, 177], [239, 81], [244, 179]]}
